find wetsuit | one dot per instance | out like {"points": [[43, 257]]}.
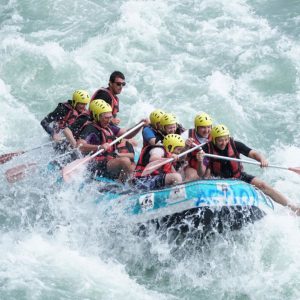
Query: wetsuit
{"points": [[56, 116], [61, 117]]}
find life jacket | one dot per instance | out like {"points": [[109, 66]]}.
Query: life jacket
{"points": [[114, 100], [123, 147], [107, 137], [191, 157], [215, 164], [144, 160], [69, 118], [77, 132]]}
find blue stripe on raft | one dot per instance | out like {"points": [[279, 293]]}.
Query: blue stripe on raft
{"points": [[210, 193]]}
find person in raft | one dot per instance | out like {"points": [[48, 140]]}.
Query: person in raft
{"points": [[224, 145], [109, 94], [166, 175], [198, 135], [65, 114], [98, 134], [151, 133]]}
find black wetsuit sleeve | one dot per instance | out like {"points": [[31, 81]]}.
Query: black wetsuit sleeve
{"points": [[58, 114], [104, 96], [78, 124], [242, 148]]}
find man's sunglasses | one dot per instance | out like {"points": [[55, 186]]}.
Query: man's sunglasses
{"points": [[120, 83]]}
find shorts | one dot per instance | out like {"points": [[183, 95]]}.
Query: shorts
{"points": [[99, 168], [150, 182], [246, 177]]}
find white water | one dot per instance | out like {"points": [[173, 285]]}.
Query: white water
{"points": [[237, 61]]}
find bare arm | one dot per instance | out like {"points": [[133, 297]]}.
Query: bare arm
{"points": [[155, 154], [70, 137], [84, 147], [259, 157], [202, 170]]}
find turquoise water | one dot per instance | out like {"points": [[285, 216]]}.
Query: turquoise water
{"points": [[238, 61]]}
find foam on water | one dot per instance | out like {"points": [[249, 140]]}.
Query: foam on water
{"points": [[40, 268], [238, 61]]}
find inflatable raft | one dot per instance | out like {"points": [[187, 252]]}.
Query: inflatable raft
{"points": [[205, 204]]}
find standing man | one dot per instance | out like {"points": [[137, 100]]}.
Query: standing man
{"points": [[109, 94]]}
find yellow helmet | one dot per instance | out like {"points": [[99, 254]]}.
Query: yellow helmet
{"points": [[218, 131], [80, 96], [203, 119], [168, 119], [98, 107], [171, 141], [155, 116]]}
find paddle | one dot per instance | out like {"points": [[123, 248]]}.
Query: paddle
{"points": [[294, 169], [6, 157], [154, 165], [67, 170], [16, 173]]}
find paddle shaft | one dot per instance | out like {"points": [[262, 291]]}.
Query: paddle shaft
{"points": [[37, 147], [88, 158], [171, 159], [6, 157], [243, 160]]}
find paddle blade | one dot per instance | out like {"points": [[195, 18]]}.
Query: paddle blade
{"points": [[154, 165], [295, 169], [68, 172], [6, 157], [17, 173]]}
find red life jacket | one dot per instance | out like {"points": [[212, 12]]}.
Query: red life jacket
{"points": [[123, 147], [192, 159], [114, 100], [215, 164], [107, 137], [69, 118], [144, 160]]}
